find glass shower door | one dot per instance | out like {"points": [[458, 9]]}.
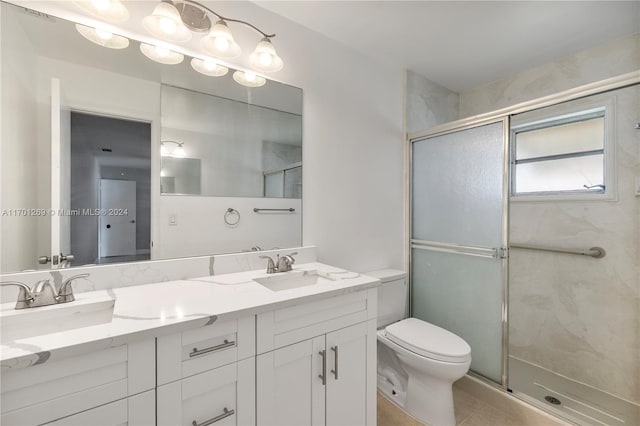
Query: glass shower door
{"points": [[458, 202]]}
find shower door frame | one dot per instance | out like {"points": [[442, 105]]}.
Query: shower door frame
{"points": [[504, 114], [501, 253]]}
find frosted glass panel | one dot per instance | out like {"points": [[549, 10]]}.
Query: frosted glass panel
{"points": [[585, 135], [568, 174], [457, 187], [462, 294], [293, 183], [274, 185]]}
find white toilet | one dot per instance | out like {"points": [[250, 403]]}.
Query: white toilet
{"points": [[417, 361]]}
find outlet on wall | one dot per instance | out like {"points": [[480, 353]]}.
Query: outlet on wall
{"points": [[173, 220]]}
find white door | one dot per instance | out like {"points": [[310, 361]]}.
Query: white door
{"points": [[60, 174], [117, 220], [289, 389], [347, 376]]}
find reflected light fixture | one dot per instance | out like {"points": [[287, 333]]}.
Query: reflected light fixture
{"points": [[249, 79], [103, 38], [208, 67], [177, 151], [161, 54], [166, 24], [109, 10]]}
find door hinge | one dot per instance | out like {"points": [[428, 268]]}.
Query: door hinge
{"points": [[503, 252]]}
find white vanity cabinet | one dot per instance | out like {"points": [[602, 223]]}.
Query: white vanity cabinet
{"points": [[55, 392], [316, 362], [206, 376]]}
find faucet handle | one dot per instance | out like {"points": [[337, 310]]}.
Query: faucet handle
{"points": [[65, 293], [24, 296], [271, 267]]}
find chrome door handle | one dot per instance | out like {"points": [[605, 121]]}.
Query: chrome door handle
{"points": [[226, 344], [226, 413], [323, 376], [335, 361]]}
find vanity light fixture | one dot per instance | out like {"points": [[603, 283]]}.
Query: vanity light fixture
{"points": [[178, 151], [249, 79], [209, 67], [170, 19], [102, 37], [161, 54], [109, 10]]}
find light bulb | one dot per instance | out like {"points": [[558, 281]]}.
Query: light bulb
{"points": [[210, 65], [167, 25], [265, 59], [221, 43], [101, 4], [163, 150], [104, 35], [249, 76], [249, 79], [103, 38], [109, 10], [162, 52], [179, 151]]}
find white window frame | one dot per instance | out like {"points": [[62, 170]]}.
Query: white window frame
{"points": [[573, 111]]}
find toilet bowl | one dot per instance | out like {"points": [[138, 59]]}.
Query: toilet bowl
{"points": [[420, 361], [433, 359]]}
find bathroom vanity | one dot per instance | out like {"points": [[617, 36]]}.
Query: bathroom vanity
{"points": [[243, 348]]}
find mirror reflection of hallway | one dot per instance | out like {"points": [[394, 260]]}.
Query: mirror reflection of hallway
{"points": [[111, 150]]}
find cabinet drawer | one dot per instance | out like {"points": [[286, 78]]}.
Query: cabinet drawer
{"points": [[57, 389], [224, 396], [139, 410], [290, 325], [194, 351]]}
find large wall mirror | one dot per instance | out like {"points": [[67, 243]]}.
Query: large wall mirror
{"points": [[110, 157]]}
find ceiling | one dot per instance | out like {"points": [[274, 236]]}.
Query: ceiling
{"points": [[465, 44]]}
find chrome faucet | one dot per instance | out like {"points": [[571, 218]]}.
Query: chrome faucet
{"points": [[43, 292], [282, 264]]}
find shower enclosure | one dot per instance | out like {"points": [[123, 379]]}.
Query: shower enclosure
{"points": [[525, 241]]}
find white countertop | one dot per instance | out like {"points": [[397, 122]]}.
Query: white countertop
{"points": [[153, 310]]}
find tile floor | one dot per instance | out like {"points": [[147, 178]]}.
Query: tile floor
{"points": [[470, 411]]}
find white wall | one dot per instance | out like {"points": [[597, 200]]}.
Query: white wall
{"points": [[18, 149]]}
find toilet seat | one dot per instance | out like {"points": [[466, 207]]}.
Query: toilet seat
{"points": [[428, 340]]}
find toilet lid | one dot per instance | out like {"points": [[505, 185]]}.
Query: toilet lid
{"points": [[429, 340]]}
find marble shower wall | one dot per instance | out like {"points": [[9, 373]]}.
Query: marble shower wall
{"points": [[614, 58], [574, 315], [428, 104]]}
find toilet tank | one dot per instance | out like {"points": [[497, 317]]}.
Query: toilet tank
{"points": [[392, 295]]}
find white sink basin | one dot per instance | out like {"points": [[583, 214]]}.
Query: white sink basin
{"points": [[18, 324], [293, 279]]}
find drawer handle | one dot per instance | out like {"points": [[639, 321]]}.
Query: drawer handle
{"points": [[226, 413], [335, 361], [226, 344], [323, 376]]}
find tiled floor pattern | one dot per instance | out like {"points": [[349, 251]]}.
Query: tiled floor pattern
{"points": [[470, 411]]}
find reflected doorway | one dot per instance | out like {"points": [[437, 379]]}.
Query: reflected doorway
{"points": [[109, 154]]}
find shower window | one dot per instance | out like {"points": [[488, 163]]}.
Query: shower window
{"points": [[560, 156]]}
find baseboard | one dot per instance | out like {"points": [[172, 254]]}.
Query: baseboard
{"points": [[527, 414]]}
